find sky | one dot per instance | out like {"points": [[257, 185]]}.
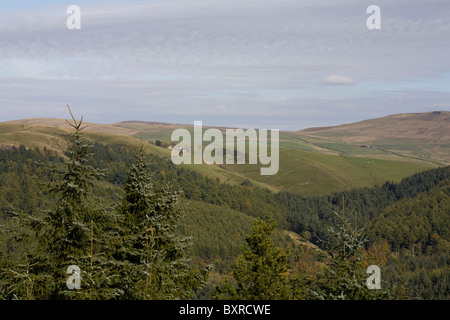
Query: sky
{"points": [[274, 64]]}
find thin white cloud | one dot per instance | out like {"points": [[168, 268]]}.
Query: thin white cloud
{"points": [[337, 79]]}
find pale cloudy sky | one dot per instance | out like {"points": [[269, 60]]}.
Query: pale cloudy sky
{"points": [[286, 64]]}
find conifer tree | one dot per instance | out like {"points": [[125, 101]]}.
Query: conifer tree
{"points": [[67, 237], [260, 271], [345, 277], [154, 260], [64, 235]]}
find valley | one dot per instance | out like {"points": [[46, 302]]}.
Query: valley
{"points": [[320, 174]]}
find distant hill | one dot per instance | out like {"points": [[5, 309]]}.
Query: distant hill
{"points": [[421, 135], [55, 134], [53, 122], [145, 122]]}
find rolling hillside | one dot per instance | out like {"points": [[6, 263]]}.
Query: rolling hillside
{"points": [[313, 161]]}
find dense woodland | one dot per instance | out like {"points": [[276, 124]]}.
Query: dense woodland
{"points": [[140, 227]]}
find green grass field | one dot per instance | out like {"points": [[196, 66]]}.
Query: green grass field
{"points": [[312, 173]]}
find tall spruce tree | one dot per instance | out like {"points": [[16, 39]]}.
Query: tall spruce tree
{"points": [[64, 235], [154, 262]]}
